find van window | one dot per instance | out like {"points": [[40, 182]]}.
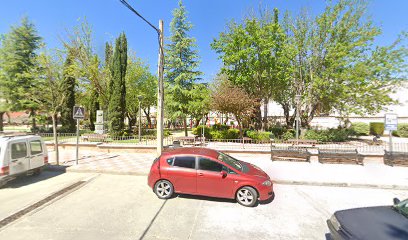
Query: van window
{"points": [[185, 162], [36, 147], [18, 150]]}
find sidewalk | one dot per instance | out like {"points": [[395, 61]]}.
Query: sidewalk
{"points": [[370, 175]]}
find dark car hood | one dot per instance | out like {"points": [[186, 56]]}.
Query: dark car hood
{"points": [[373, 223]]}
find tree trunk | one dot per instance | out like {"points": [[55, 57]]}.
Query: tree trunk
{"points": [[8, 117], [226, 120], [54, 130], [241, 134], [1, 121], [197, 122], [34, 124], [185, 126], [148, 118], [265, 118]]}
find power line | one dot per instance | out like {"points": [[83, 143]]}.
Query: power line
{"points": [[124, 2]]}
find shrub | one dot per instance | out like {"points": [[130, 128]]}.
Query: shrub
{"points": [[377, 128], [360, 129], [402, 130], [289, 134], [329, 135], [232, 134], [278, 131], [219, 127], [256, 135], [199, 129]]}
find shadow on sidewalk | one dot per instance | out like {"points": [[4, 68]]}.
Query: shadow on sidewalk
{"points": [[25, 180]]}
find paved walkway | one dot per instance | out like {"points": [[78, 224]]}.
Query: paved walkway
{"points": [[369, 175]]}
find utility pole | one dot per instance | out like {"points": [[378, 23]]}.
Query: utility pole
{"points": [[140, 117], [160, 72], [160, 91]]}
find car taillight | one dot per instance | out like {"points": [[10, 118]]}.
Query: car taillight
{"points": [[45, 159], [4, 171]]}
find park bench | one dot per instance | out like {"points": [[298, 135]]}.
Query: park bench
{"points": [[290, 153], [186, 140], [339, 156], [94, 137], [396, 158]]}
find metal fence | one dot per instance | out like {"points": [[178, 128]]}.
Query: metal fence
{"points": [[363, 147]]}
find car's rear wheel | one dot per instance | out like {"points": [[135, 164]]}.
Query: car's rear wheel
{"points": [[247, 196], [163, 189]]}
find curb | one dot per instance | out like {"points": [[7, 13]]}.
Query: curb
{"points": [[283, 182], [341, 184]]}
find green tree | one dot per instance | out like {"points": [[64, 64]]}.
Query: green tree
{"points": [[251, 53], [50, 92], [181, 66], [117, 103], [17, 63], [337, 67], [68, 84], [139, 82], [200, 104]]}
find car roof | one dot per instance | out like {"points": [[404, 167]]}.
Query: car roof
{"points": [[17, 137], [193, 151]]}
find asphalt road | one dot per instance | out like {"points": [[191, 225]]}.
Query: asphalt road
{"points": [[123, 207]]}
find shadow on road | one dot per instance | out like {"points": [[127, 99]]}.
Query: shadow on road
{"points": [[25, 180], [213, 199]]}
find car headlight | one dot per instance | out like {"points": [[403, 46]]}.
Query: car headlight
{"points": [[335, 222], [267, 183]]}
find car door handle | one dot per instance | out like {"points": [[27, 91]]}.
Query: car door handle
{"points": [[200, 174], [14, 160]]}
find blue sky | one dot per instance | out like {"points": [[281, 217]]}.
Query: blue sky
{"points": [[109, 17]]}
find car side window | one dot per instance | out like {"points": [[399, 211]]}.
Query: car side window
{"points": [[170, 161], [36, 147], [228, 170], [210, 165], [184, 161], [18, 150]]}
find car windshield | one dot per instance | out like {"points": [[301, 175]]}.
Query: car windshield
{"points": [[230, 161], [402, 207]]}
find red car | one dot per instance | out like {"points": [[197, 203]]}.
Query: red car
{"points": [[206, 172]]}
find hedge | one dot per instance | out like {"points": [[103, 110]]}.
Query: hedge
{"points": [[377, 128], [329, 135], [360, 129], [257, 135], [402, 130]]}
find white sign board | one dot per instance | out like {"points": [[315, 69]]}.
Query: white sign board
{"points": [[79, 112], [391, 121]]}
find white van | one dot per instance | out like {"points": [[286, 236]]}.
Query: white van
{"points": [[21, 155]]}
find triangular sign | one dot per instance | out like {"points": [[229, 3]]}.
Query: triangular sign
{"points": [[79, 113]]}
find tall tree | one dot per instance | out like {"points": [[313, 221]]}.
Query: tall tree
{"points": [[250, 52], [227, 98], [17, 63], [181, 66], [117, 103], [68, 84], [49, 93], [139, 82]]}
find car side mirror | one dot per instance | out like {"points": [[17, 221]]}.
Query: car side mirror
{"points": [[396, 201], [223, 174]]}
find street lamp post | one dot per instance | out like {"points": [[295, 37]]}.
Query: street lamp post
{"points": [[160, 71], [297, 100], [140, 98]]}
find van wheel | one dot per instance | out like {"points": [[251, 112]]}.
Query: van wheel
{"points": [[37, 171], [247, 196], [163, 189]]}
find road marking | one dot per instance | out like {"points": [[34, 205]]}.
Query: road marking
{"points": [[152, 221], [55, 196], [195, 219]]}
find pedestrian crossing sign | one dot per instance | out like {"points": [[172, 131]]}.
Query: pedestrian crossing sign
{"points": [[79, 112]]}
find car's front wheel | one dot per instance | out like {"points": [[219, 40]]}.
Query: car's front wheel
{"points": [[163, 189], [247, 196]]}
